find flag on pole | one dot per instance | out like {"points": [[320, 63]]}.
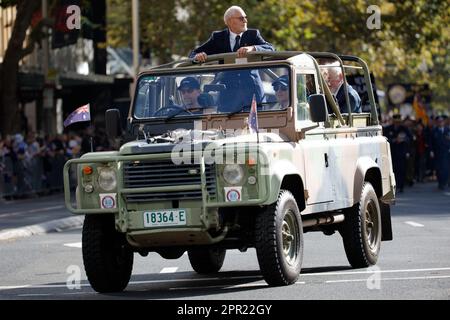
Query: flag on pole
{"points": [[419, 108], [253, 117], [80, 114]]}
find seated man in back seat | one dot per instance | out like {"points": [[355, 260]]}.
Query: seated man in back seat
{"points": [[335, 80]]}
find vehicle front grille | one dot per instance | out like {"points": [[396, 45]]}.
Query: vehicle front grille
{"points": [[164, 173]]}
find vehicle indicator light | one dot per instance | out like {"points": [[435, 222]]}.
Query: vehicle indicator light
{"points": [[251, 161], [87, 170]]}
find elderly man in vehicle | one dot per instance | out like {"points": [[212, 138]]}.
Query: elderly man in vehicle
{"points": [[335, 79], [236, 38]]}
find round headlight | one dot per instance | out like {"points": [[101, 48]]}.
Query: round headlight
{"points": [[233, 173], [107, 179]]}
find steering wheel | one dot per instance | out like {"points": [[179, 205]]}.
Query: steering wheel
{"points": [[166, 111]]}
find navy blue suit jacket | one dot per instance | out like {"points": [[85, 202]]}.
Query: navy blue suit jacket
{"points": [[240, 85], [355, 100], [219, 42]]}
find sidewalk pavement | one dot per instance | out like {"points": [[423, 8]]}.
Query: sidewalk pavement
{"points": [[42, 228], [24, 218]]}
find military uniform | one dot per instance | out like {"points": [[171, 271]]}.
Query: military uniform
{"points": [[399, 138], [441, 149]]}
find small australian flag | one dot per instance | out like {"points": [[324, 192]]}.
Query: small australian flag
{"points": [[253, 117], [80, 114]]}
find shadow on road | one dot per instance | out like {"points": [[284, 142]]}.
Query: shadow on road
{"points": [[182, 285]]}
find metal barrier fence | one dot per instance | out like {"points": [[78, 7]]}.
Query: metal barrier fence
{"points": [[36, 176]]}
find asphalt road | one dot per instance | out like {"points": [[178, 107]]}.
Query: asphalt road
{"points": [[415, 265]]}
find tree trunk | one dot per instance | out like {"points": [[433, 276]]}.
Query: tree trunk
{"points": [[9, 111]]}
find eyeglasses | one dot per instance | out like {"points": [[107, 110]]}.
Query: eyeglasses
{"points": [[184, 91], [242, 19], [279, 87]]}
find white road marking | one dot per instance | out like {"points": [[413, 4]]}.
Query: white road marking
{"points": [[242, 285], [14, 287], [388, 279], [34, 295], [371, 272], [9, 214], [49, 286], [73, 245], [169, 270], [414, 224]]}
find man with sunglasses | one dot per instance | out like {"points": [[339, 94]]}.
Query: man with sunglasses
{"points": [[236, 38], [240, 85], [281, 88], [190, 91]]}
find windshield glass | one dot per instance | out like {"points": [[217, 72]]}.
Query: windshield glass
{"points": [[218, 91]]}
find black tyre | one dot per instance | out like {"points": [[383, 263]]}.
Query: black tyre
{"points": [[206, 260], [107, 257], [361, 230], [279, 241]]}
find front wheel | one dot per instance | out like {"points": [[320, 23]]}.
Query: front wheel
{"points": [[361, 230], [279, 241], [107, 257]]}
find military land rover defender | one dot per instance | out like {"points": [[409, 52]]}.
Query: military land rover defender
{"points": [[242, 169]]}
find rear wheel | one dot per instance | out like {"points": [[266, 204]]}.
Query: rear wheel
{"points": [[206, 260], [107, 256], [361, 230], [279, 241]]}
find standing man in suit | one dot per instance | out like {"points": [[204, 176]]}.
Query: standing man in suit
{"points": [[335, 80], [240, 85], [236, 38]]}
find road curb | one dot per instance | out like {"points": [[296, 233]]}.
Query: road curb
{"points": [[42, 228]]}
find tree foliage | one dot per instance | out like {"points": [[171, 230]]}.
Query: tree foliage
{"points": [[9, 113]]}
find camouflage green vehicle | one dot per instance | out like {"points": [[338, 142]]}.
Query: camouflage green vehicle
{"points": [[241, 170]]}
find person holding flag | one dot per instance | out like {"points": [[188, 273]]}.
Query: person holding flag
{"points": [[419, 109], [80, 114]]}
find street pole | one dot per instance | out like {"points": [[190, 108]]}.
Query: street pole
{"points": [[48, 112], [45, 44], [135, 27]]}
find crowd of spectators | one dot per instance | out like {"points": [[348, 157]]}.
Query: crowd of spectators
{"points": [[420, 150], [32, 165]]}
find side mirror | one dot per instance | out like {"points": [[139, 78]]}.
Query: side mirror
{"points": [[113, 123], [318, 108]]}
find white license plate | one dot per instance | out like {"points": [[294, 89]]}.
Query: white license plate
{"points": [[165, 218]]}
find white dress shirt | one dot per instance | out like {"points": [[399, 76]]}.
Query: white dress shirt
{"points": [[233, 38]]}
